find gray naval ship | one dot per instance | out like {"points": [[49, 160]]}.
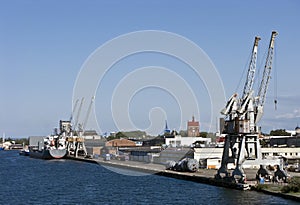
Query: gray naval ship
{"points": [[52, 146]]}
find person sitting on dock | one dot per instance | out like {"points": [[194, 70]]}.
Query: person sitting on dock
{"points": [[279, 175], [262, 173]]}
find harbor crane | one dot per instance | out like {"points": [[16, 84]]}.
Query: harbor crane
{"points": [[242, 116], [76, 139]]}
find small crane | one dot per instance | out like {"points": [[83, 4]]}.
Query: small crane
{"points": [[76, 139]]}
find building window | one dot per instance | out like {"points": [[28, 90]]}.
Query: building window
{"points": [[291, 154], [275, 154], [285, 154]]}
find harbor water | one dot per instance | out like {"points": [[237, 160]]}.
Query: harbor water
{"points": [[26, 180]]}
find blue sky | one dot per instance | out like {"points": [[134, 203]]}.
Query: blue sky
{"points": [[43, 45]]}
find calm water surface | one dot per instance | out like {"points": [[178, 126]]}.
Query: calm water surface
{"points": [[34, 181]]}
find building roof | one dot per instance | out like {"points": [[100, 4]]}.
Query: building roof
{"points": [[120, 143], [193, 122], [90, 133]]}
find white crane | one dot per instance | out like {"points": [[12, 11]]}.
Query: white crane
{"points": [[242, 116], [76, 140], [79, 145]]}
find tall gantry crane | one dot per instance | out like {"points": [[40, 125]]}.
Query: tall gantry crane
{"points": [[242, 116]]}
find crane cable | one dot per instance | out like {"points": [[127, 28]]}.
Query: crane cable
{"points": [[243, 74], [275, 79]]}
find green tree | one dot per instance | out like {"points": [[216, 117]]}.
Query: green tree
{"points": [[120, 135], [263, 143], [279, 132], [183, 133], [203, 134], [116, 136], [212, 136]]}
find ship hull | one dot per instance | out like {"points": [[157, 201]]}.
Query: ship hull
{"points": [[48, 154], [58, 153]]}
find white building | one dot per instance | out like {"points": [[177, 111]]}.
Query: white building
{"points": [[212, 157], [286, 152], [179, 141]]}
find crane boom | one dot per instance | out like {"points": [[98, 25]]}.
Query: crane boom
{"points": [[251, 70], [78, 112], [88, 113], [74, 108], [267, 71], [261, 97]]}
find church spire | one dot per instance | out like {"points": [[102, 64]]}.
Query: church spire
{"points": [[167, 128]]}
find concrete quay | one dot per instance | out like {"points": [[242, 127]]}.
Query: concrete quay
{"points": [[202, 176]]}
